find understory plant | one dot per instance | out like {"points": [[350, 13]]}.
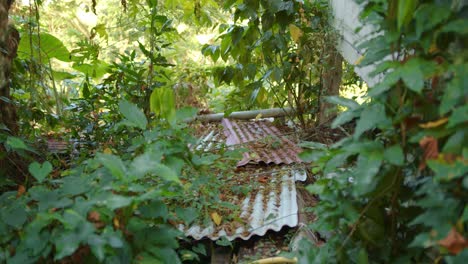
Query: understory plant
{"points": [[118, 206], [396, 190]]}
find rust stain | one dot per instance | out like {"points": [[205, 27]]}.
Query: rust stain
{"points": [[265, 143]]}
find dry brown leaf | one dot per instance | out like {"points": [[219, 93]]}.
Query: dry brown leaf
{"points": [[21, 191], [433, 124], [116, 223], [107, 151], [216, 218], [263, 179], [94, 216], [296, 32], [454, 242], [430, 148], [359, 60]]}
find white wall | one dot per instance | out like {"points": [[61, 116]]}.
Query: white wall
{"points": [[346, 20]]}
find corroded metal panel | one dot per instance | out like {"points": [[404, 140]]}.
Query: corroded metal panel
{"points": [[271, 207], [265, 143]]}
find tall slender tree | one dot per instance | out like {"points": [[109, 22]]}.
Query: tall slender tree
{"points": [[9, 39]]}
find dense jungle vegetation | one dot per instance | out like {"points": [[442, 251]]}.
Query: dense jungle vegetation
{"points": [[96, 156]]}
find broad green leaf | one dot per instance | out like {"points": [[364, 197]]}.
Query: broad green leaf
{"points": [[312, 145], [97, 245], [14, 216], [225, 47], [145, 163], [187, 255], [162, 103], [251, 70], [74, 185], [188, 215], [389, 80], [413, 75], [311, 155], [154, 210], [166, 173], [317, 188], [236, 35], [363, 257], [455, 92], [460, 258], [117, 201], [458, 26], [40, 171], [277, 74], [133, 114], [200, 249], [344, 118], [212, 51], [44, 46], [373, 116], [66, 243], [405, 12], [113, 163], [459, 116], [186, 113], [96, 69], [429, 15], [223, 241], [394, 155], [351, 104], [456, 142], [16, 143], [367, 168], [422, 240], [280, 5], [447, 171], [62, 75], [101, 30]]}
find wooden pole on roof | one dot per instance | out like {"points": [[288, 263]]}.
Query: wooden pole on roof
{"points": [[245, 115]]}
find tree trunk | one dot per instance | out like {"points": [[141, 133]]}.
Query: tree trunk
{"points": [[9, 38], [331, 81]]}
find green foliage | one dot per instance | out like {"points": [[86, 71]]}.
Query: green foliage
{"points": [[133, 116], [40, 172], [395, 191], [114, 205], [274, 50], [130, 171], [43, 47], [162, 103]]}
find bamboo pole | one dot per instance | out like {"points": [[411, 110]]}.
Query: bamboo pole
{"points": [[245, 115]]}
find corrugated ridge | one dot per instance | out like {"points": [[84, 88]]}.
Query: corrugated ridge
{"points": [[263, 211], [254, 132]]}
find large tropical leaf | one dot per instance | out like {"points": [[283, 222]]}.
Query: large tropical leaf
{"points": [[44, 47]]}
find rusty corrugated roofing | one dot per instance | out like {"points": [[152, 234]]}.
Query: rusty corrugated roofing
{"points": [[271, 202], [58, 146], [271, 207], [265, 143]]}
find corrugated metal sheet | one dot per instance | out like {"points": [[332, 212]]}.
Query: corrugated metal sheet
{"points": [[265, 143], [272, 203], [56, 146], [271, 207], [212, 140]]}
